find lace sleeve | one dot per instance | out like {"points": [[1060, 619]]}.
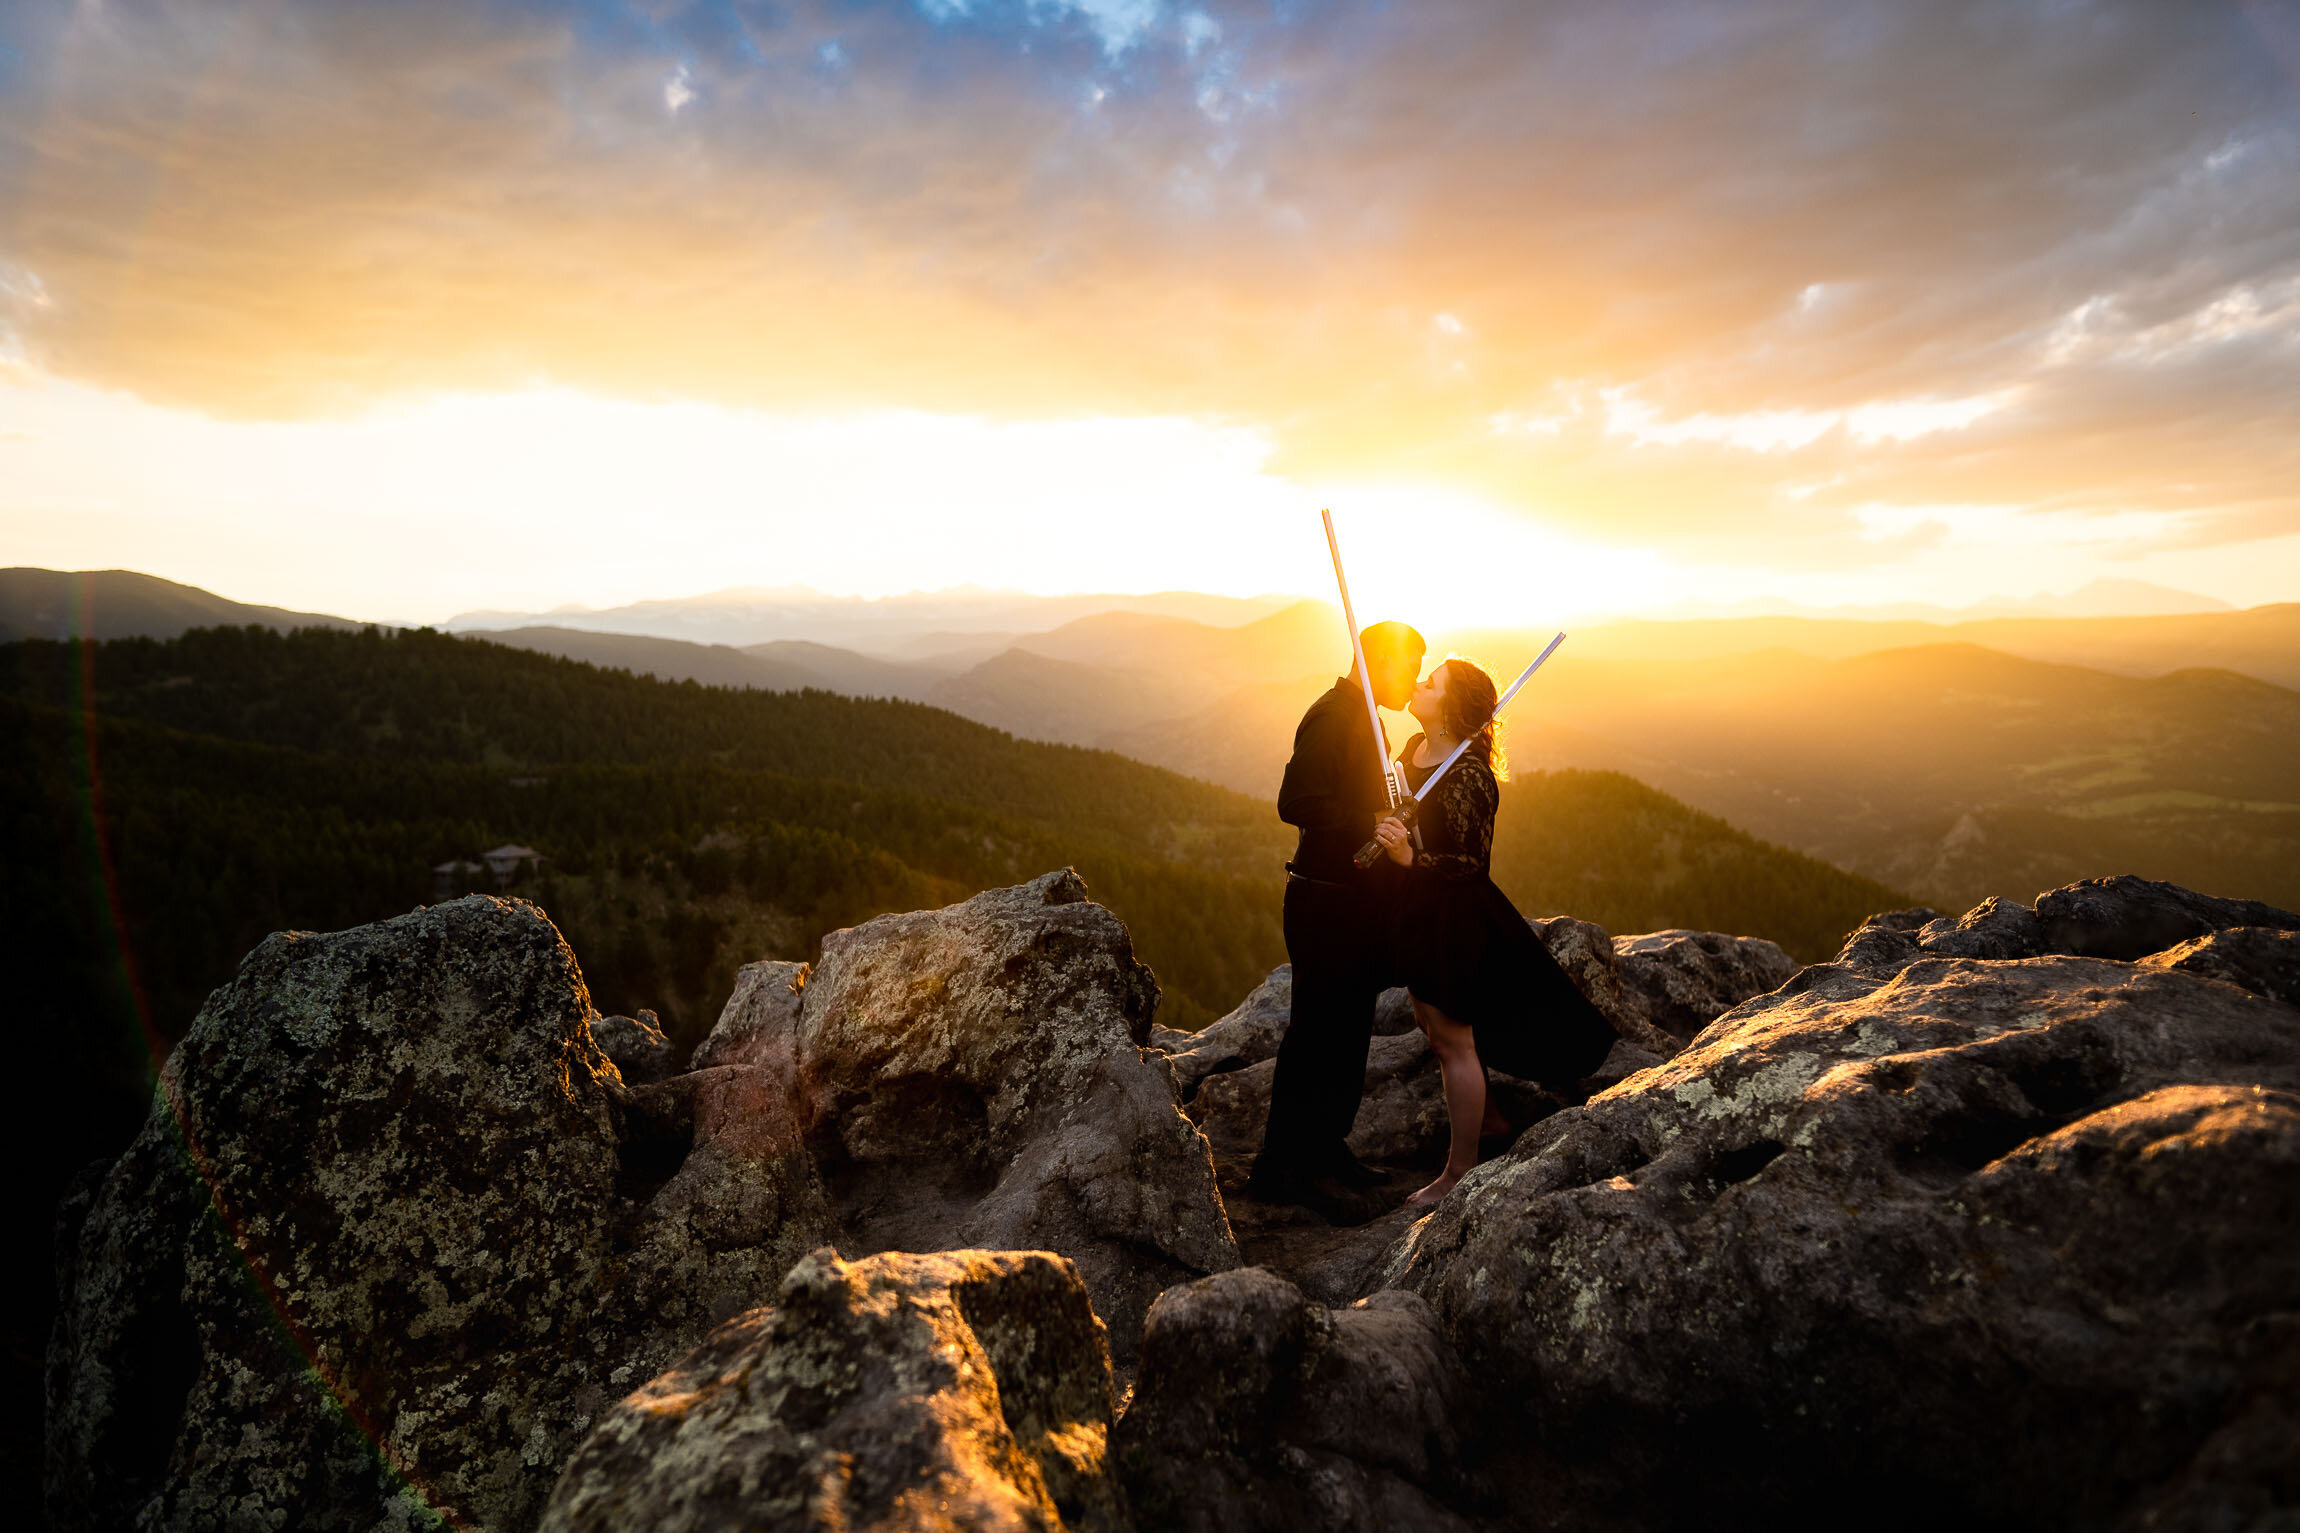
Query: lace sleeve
{"points": [[1467, 800]]}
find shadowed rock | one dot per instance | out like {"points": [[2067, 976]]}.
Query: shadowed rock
{"points": [[2256, 958], [964, 1390], [2128, 917], [1682, 980], [641, 1053], [387, 1208], [409, 1234], [1994, 928], [971, 1077], [1252, 1031], [1402, 1117], [1868, 1226], [1259, 1410], [1591, 958]]}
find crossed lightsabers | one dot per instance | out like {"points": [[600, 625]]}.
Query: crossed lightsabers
{"points": [[1392, 778]]}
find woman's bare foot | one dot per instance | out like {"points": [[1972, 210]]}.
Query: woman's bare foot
{"points": [[1434, 1194]]}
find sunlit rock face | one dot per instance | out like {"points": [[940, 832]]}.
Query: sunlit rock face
{"points": [[443, 1236], [969, 1390], [2010, 1236], [973, 1076], [1260, 1410]]}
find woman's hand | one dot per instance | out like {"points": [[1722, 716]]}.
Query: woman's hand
{"points": [[1396, 840]]}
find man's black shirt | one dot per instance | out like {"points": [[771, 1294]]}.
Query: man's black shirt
{"points": [[1333, 788]]}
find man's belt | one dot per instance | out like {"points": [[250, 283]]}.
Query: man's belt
{"points": [[1298, 876]]}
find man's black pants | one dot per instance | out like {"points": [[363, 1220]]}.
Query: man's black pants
{"points": [[1338, 943]]}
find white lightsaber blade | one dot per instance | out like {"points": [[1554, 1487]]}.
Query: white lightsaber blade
{"points": [[1523, 677], [1358, 653]]}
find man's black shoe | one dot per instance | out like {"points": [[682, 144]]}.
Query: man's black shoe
{"points": [[1336, 1203], [1326, 1196], [1354, 1173], [1274, 1181]]}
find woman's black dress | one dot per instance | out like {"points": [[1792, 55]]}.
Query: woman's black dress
{"points": [[1465, 950]]}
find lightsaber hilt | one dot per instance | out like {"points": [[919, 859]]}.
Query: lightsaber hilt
{"points": [[1405, 811]]}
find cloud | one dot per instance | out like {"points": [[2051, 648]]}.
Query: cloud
{"points": [[2015, 254]]}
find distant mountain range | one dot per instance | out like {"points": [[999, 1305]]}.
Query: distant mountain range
{"points": [[2100, 598], [1995, 756], [950, 626]]}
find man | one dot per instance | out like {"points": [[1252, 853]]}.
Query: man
{"points": [[1336, 920]]}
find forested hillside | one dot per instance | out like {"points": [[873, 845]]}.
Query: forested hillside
{"points": [[167, 804]]}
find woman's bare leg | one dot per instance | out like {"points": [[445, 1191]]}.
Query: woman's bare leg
{"points": [[1464, 1077]]}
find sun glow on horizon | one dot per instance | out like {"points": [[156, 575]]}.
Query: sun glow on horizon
{"points": [[551, 497]]}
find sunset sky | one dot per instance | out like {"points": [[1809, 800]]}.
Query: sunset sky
{"points": [[396, 309]]}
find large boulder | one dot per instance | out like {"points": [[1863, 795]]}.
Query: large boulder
{"points": [[2128, 917], [356, 1261], [1879, 1224], [973, 1076], [969, 1389], [1260, 1410], [395, 1232]]}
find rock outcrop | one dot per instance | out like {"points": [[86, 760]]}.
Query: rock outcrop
{"points": [[2127, 917], [1259, 1410], [1875, 1225], [964, 1390], [972, 1076], [2003, 1229], [360, 1260], [407, 1143], [2255, 958]]}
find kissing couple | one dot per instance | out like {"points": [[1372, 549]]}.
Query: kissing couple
{"points": [[1425, 914]]}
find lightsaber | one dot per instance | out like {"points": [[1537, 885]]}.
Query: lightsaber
{"points": [[1372, 850], [1358, 653]]}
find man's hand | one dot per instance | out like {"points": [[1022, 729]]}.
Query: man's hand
{"points": [[1396, 840]]}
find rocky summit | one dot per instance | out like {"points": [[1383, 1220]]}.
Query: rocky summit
{"points": [[1987, 1222]]}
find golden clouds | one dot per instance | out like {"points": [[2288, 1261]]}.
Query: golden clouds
{"points": [[1376, 232]]}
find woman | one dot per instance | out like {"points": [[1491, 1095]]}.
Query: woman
{"points": [[1485, 989]]}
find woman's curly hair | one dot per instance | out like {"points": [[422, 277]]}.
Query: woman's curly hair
{"points": [[1470, 699]]}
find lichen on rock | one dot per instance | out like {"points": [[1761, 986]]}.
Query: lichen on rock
{"points": [[969, 1389]]}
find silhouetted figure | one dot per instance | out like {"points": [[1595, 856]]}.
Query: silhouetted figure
{"points": [[1485, 989], [1339, 918]]}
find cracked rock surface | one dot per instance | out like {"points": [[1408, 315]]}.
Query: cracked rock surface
{"points": [[969, 1389], [1877, 1224]]}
